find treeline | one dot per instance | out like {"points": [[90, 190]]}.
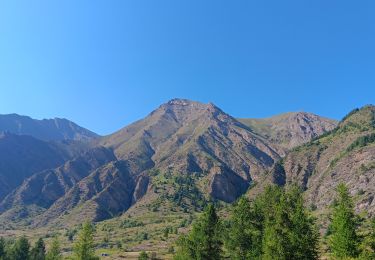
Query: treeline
{"points": [[21, 249], [276, 225]]}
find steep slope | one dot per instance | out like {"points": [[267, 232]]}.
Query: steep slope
{"points": [[346, 154], [188, 137], [290, 130], [47, 129], [22, 156], [105, 193], [44, 188]]}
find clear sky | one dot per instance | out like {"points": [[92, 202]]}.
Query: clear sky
{"points": [[104, 64]]}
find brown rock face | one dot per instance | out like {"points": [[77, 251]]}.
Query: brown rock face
{"points": [[190, 146], [290, 130], [346, 155], [186, 136], [44, 188]]}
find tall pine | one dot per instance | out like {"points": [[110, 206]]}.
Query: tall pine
{"points": [[84, 246], [343, 241], [204, 240], [20, 249], [244, 240], [39, 250], [54, 253], [289, 230]]}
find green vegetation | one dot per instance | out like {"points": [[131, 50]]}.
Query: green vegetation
{"points": [[143, 256], [39, 250], [343, 239], [362, 141], [55, 252], [275, 226], [84, 246], [204, 241]]}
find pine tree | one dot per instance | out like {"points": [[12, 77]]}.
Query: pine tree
{"points": [[303, 235], [275, 238], [204, 240], [54, 253], [289, 231], [84, 246], [368, 244], [245, 231], [343, 241], [143, 256], [20, 250], [2, 248], [39, 250]]}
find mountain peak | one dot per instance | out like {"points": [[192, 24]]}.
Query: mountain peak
{"points": [[56, 129]]}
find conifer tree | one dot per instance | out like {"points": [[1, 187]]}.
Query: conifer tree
{"points": [[54, 253], [275, 238], [245, 231], [2, 248], [143, 256], [343, 241], [302, 233], [20, 250], [84, 246], [289, 231], [204, 241], [38, 252]]}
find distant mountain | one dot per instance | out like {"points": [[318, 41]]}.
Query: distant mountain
{"points": [[290, 130], [47, 129], [22, 156], [344, 155]]}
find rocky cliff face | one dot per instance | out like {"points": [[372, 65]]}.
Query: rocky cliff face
{"points": [[290, 130], [187, 137], [346, 154], [184, 152]]}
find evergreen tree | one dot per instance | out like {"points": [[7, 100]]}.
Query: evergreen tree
{"points": [[275, 238], [20, 249], [204, 241], [39, 250], [2, 248], [368, 245], [54, 253], [289, 231], [143, 256], [343, 241], [84, 246], [245, 231], [302, 233]]}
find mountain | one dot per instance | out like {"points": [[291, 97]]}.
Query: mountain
{"points": [[187, 137], [180, 156], [344, 155], [56, 129], [290, 130], [22, 156]]}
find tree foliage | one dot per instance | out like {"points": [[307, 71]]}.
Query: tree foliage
{"points": [[54, 253], [343, 241], [38, 252], [84, 246], [204, 241]]}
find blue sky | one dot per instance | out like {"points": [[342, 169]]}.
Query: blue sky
{"points": [[105, 64]]}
